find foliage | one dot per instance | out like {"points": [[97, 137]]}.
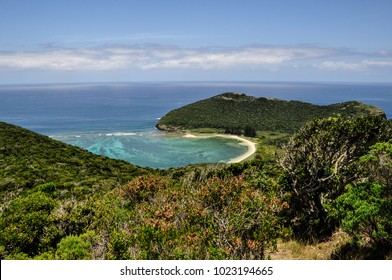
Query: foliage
{"points": [[378, 163], [233, 130], [319, 161], [48, 191], [27, 226], [233, 112], [28, 160], [365, 209], [73, 248], [248, 131], [220, 215]]}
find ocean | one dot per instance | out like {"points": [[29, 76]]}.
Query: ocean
{"points": [[118, 119]]}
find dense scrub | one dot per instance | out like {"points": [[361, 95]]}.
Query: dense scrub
{"points": [[216, 216], [206, 213]]}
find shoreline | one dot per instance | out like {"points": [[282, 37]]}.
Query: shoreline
{"points": [[249, 144]]}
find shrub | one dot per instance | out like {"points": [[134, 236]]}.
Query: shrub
{"points": [[319, 161], [366, 209], [228, 215], [25, 223], [73, 248]]}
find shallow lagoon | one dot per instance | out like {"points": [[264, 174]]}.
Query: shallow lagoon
{"points": [[156, 149], [117, 120]]}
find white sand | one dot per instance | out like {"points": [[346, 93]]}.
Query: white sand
{"points": [[249, 144], [191, 136]]}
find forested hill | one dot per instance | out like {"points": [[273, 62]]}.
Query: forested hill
{"points": [[28, 159], [232, 110]]}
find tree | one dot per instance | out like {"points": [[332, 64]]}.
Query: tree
{"points": [[319, 161], [378, 163], [365, 210], [249, 131], [233, 130]]}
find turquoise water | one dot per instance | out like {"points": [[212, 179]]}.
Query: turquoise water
{"points": [[118, 120], [156, 149]]}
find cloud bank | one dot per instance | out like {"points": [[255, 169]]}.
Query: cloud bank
{"points": [[353, 66], [161, 57]]}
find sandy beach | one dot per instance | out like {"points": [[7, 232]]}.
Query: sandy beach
{"points": [[249, 144]]}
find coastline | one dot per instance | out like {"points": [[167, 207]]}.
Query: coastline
{"points": [[249, 144]]}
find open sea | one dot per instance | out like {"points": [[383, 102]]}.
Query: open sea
{"points": [[117, 120]]}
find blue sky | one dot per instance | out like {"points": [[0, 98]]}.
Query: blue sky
{"points": [[53, 41]]}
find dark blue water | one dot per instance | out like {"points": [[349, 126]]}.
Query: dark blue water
{"points": [[118, 120]]}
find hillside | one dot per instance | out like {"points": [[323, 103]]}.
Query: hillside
{"points": [[28, 159], [233, 110]]}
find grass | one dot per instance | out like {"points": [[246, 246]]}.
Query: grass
{"points": [[295, 250], [205, 130]]}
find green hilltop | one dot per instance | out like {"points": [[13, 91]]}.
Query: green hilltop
{"points": [[231, 111]]}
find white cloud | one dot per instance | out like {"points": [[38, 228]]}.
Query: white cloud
{"points": [[387, 63], [340, 65], [221, 58], [152, 57], [352, 66], [66, 60], [155, 57]]}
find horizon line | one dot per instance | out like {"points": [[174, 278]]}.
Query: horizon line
{"points": [[193, 81]]}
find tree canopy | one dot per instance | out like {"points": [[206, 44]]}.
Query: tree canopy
{"points": [[233, 111]]}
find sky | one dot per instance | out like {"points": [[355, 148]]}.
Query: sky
{"points": [[61, 41]]}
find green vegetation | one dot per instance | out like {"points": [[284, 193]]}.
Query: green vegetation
{"points": [[320, 161], [238, 113], [61, 202], [28, 160], [365, 208], [337, 174], [326, 193], [215, 215]]}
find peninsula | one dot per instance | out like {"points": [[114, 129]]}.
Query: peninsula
{"points": [[234, 115], [237, 113]]}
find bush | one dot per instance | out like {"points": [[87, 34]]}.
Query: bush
{"points": [[73, 248], [319, 161], [366, 209], [226, 214], [26, 224]]}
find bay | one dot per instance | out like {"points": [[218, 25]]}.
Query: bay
{"points": [[118, 119]]}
